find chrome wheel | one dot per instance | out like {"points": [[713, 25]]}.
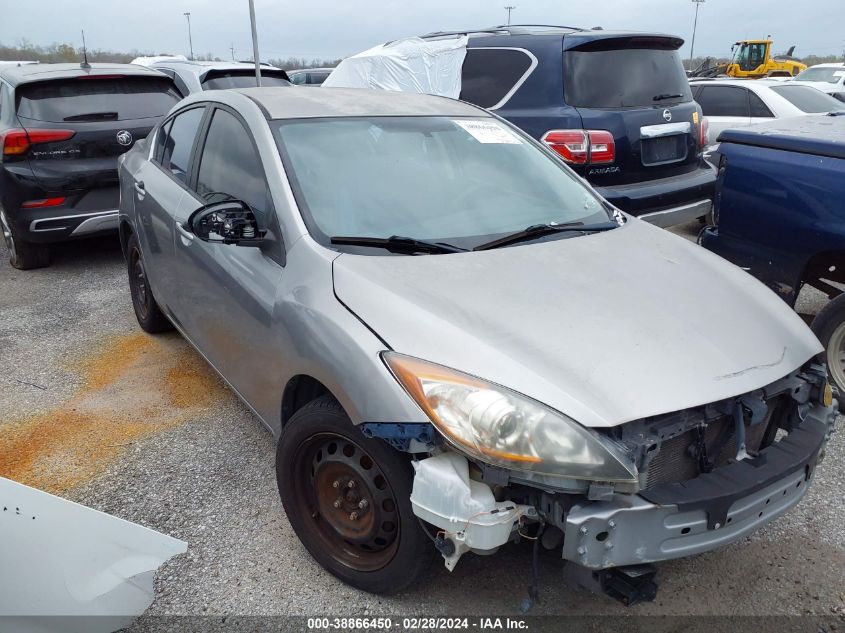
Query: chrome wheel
{"points": [[7, 234], [835, 354]]}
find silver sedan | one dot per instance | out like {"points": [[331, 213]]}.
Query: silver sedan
{"points": [[458, 343]]}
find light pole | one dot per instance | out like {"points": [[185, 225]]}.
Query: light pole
{"points": [[509, 8], [187, 14], [255, 43], [694, 27]]}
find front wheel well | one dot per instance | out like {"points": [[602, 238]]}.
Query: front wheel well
{"points": [[299, 391], [822, 268]]}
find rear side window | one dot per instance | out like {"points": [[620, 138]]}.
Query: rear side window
{"points": [[231, 168], [758, 108], [92, 98], [723, 101], [223, 79], [490, 74], [624, 78], [809, 99], [180, 142]]}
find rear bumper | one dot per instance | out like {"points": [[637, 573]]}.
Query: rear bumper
{"points": [[667, 200], [712, 510], [83, 214]]}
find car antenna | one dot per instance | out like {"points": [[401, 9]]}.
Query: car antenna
{"points": [[84, 63]]}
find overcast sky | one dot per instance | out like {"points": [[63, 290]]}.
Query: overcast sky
{"points": [[336, 28]]}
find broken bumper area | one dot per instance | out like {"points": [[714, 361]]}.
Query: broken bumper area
{"points": [[674, 520]]}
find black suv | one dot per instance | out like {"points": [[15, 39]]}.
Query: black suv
{"points": [[62, 127], [616, 106]]}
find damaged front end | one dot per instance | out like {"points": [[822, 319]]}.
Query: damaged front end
{"points": [[703, 477]]}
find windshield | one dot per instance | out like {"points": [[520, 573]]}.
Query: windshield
{"points": [[624, 78], [830, 75], [456, 180], [809, 99]]}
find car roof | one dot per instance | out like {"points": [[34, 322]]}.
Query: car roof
{"points": [[17, 75], [305, 103], [310, 70], [202, 67], [745, 83], [828, 65]]}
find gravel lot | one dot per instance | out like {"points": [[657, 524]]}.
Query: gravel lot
{"points": [[139, 427]]}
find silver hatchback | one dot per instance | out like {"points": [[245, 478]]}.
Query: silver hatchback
{"points": [[458, 343]]}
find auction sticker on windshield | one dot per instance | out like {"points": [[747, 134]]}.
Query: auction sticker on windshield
{"points": [[489, 132]]}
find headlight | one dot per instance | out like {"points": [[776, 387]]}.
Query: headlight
{"points": [[501, 427]]}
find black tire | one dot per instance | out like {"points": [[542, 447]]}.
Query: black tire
{"points": [[23, 255], [320, 448], [829, 326], [149, 315]]}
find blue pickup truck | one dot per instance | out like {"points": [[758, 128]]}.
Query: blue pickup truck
{"points": [[779, 213]]}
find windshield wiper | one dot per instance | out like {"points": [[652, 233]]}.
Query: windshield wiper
{"points": [[663, 97], [93, 116], [539, 230], [398, 243]]}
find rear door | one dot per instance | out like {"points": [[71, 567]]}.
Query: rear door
{"points": [[160, 190], [635, 88], [101, 116], [725, 107]]}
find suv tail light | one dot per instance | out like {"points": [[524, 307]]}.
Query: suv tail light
{"points": [[17, 141], [704, 133], [582, 147]]}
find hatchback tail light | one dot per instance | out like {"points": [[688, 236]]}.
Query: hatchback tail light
{"points": [[582, 147], [17, 141]]}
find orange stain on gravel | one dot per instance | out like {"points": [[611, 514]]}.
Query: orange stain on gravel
{"points": [[133, 387]]}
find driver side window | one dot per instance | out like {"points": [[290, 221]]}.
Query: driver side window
{"points": [[230, 168]]}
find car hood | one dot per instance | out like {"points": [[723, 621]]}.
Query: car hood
{"points": [[605, 328]]}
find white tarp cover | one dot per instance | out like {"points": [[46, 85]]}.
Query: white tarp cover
{"points": [[152, 59], [58, 558], [408, 65]]}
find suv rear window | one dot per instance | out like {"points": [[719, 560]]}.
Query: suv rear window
{"points": [[809, 99], [489, 74], [92, 98], [223, 79], [624, 78]]}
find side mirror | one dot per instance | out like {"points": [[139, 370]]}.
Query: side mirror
{"points": [[229, 222]]}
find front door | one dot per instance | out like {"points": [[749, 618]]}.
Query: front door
{"points": [[227, 293]]}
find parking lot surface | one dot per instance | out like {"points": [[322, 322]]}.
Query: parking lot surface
{"points": [[140, 427]]}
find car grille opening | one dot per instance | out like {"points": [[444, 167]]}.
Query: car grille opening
{"points": [[675, 462]]}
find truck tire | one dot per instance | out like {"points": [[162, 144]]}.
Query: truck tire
{"points": [[348, 500], [149, 315], [23, 255], [829, 326]]}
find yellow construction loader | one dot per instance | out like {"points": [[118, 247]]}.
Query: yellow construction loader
{"points": [[752, 59]]}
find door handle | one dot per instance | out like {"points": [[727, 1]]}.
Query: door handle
{"points": [[186, 235], [140, 190]]}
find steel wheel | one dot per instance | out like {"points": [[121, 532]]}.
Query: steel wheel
{"points": [[835, 354], [138, 284], [7, 235], [348, 500]]}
